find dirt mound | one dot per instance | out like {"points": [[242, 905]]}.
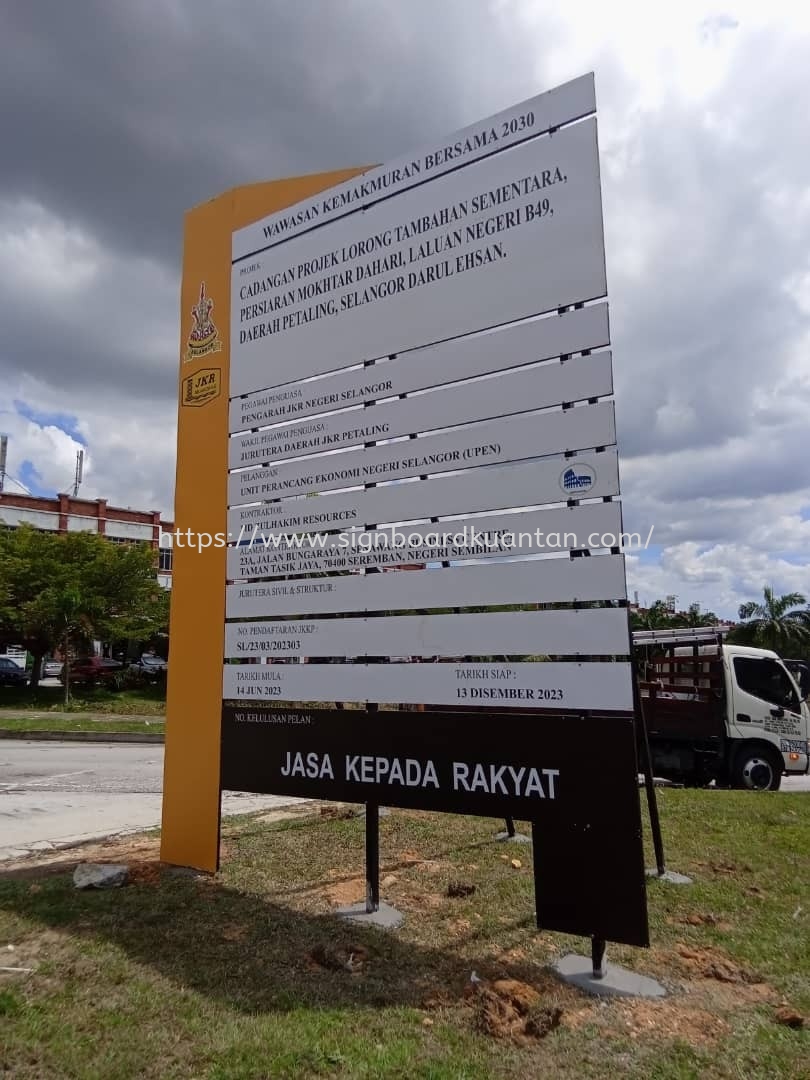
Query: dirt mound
{"points": [[144, 872], [508, 1008], [353, 958], [789, 1017], [700, 918], [460, 889], [672, 1020], [344, 893], [710, 964]]}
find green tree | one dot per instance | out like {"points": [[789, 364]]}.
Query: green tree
{"points": [[29, 568], [656, 617], [696, 617], [780, 623], [64, 590]]}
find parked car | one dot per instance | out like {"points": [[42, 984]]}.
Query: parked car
{"points": [[91, 670], [152, 667], [12, 674], [51, 669]]}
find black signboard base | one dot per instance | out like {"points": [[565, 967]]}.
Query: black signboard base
{"points": [[574, 777]]}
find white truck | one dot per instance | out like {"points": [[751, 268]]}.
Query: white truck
{"points": [[720, 712]]}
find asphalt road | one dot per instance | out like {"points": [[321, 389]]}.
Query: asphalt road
{"points": [[56, 793]]}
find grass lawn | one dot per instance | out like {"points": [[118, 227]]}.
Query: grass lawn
{"points": [[82, 723], [248, 974], [148, 701]]}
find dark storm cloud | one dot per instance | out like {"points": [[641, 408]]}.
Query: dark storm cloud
{"points": [[123, 115]]}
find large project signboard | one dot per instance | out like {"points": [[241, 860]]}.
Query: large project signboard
{"points": [[424, 589]]}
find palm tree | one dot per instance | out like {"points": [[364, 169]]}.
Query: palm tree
{"points": [[780, 623]]}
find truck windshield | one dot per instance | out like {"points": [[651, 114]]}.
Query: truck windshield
{"points": [[767, 680], [800, 670]]}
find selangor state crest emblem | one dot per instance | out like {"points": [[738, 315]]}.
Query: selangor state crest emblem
{"points": [[204, 336]]}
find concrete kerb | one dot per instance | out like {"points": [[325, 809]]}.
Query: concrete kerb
{"points": [[84, 736], [71, 847]]}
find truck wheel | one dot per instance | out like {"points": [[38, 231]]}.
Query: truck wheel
{"points": [[757, 769]]}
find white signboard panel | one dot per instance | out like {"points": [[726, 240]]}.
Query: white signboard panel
{"points": [[543, 532], [541, 581], [462, 358], [571, 101], [587, 475], [493, 442], [504, 395], [586, 632], [509, 237], [572, 685]]}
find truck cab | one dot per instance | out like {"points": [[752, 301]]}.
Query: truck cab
{"points": [[719, 712]]}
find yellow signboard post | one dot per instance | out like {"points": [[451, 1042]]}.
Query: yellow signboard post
{"points": [[191, 783]]}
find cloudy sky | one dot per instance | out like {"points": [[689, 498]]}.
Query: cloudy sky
{"points": [[116, 117]]}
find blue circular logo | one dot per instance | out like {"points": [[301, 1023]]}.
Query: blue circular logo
{"points": [[577, 479]]}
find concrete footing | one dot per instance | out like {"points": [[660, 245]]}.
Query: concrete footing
{"points": [[615, 982], [672, 877], [385, 916]]}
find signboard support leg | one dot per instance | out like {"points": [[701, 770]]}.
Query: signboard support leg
{"points": [[372, 857], [660, 870], [596, 977], [372, 910], [649, 781], [598, 957], [552, 863], [511, 834]]}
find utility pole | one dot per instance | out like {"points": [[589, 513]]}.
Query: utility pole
{"points": [[3, 456], [78, 479]]}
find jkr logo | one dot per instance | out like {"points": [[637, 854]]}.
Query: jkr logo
{"points": [[202, 387]]}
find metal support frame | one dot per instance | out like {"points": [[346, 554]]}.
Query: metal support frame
{"points": [[598, 957], [372, 809], [372, 857], [643, 742]]}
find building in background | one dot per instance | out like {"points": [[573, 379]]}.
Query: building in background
{"points": [[69, 513]]}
